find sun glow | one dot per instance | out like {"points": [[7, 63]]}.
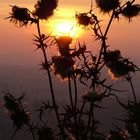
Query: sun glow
{"points": [[64, 23], [65, 28]]}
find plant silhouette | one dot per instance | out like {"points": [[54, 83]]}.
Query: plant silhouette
{"points": [[77, 119]]}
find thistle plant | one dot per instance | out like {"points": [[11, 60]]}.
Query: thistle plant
{"points": [[75, 64], [18, 114]]}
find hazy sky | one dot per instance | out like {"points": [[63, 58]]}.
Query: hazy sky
{"points": [[16, 45], [17, 49]]}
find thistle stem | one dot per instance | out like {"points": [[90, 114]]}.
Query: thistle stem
{"points": [[81, 111], [89, 119], [33, 135], [50, 83], [133, 90], [70, 92], [75, 87], [109, 24], [93, 125], [103, 47], [73, 108]]}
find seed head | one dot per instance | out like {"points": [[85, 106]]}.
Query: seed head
{"points": [[10, 103], [119, 68], [45, 133], [63, 44], [63, 66], [20, 16], [107, 5], [20, 118], [84, 19], [112, 55], [63, 40], [45, 8], [131, 11], [17, 112]]}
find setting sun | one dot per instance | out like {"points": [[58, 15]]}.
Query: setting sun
{"points": [[66, 28], [64, 23], [61, 27]]}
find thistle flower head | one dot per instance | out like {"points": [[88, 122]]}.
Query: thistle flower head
{"points": [[119, 68], [10, 103], [131, 11], [112, 55], [107, 5], [63, 40], [63, 44], [20, 16], [45, 133], [17, 113], [84, 19], [63, 66], [20, 118], [45, 8], [92, 96]]}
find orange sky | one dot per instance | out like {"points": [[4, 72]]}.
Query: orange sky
{"points": [[17, 51], [16, 43]]}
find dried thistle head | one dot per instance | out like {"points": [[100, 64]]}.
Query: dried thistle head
{"points": [[131, 10], [112, 55], [20, 16], [45, 133], [17, 112], [11, 103], [20, 118], [63, 66], [63, 40], [45, 8], [84, 19], [63, 44], [119, 68], [107, 5]]}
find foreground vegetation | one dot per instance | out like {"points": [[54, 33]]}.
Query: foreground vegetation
{"points": [[75, 64]]}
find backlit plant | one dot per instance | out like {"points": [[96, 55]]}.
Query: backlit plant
{"points": [[75, 64]]}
